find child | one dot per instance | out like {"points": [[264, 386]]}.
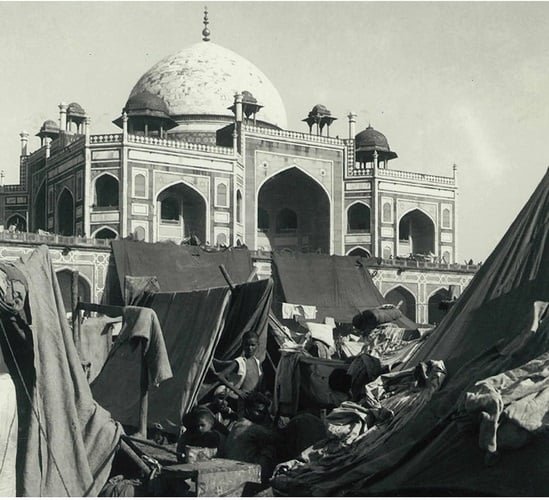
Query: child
{"points": [[245, 372], [199, 433], [223, 413]]}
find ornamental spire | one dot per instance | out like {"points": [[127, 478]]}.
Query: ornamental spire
{"points": [[206, 31]]}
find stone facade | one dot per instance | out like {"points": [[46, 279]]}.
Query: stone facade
{"points": [[248, 181]]}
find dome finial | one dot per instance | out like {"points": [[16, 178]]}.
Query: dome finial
{"points": [[206, 31]]}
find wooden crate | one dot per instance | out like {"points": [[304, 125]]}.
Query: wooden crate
{"points": [[213, 478]]}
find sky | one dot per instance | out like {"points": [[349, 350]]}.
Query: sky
{"points": [[464, 83]]}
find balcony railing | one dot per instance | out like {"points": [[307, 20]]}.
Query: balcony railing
{"points": [[52, 239], [13, 188], [360, 171], [105, 138], [156, 141], [290, 134]]}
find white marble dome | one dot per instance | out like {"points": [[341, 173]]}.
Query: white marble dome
{"points": [[201, 81]]}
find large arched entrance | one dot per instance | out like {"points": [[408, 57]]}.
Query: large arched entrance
{"points": [[40, 208], [293, 212], [181, 213], [407, 301], [435, 313], [65, 214], [416, 234]]}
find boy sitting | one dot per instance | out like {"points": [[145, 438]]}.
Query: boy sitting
{"points": [[199, 442]]}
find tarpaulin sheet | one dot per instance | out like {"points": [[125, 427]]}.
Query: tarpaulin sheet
{"points": [[249, 310], [67, 442], [191, 323], [498, 300], [179, 268], [340, 287], [435, 454]]}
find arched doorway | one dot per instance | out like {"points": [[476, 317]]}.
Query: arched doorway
{"points": [[105, 234], [64, 277], [300, 210], [405, 298], [16, 223], [435, 313], [65, 214], [359, 252], [40, 208], [416, 234], [106, 192], [182, 213]]}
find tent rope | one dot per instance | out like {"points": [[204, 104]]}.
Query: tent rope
{"points": [[34, 411]]}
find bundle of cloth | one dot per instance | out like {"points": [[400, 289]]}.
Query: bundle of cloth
{"points": [[357, 433], [371, 318], [383, 339]]}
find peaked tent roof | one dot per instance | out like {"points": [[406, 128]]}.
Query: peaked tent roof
{"points": [[339, 286], [499, 299], [434, 454]]}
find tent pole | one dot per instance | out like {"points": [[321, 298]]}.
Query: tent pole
{"points": [[144, 401], [135, 458], [227, 277]]}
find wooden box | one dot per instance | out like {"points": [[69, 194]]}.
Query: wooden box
{"points": [[212, 478]]}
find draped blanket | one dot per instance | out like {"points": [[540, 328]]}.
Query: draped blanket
{"points": [[191, 324], [66, 441]]}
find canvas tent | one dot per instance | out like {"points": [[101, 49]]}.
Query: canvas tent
{"points": [[496, 350], [339, 286], [197, 325]]}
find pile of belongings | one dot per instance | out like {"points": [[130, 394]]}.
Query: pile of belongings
{"points": [[384, 339], [357, 432]]}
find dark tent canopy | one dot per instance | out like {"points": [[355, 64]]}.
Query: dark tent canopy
{"points": [[179, 268], [340, 287], [196, 326], [486, 333]]}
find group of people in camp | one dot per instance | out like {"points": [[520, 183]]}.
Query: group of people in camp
{"points": [[237, 422]]}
